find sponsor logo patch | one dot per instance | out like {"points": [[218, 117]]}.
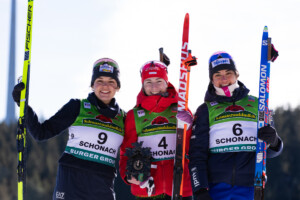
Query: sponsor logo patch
{"points": [[87, 105], [60, 195], [213, 103], [220, 61], [97, 122], [104, 119], [160, 120], [159, 124], [106, 68], [234, 111], [141, 113]]}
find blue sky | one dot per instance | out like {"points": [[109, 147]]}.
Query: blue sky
{"points": [[69, 35]]}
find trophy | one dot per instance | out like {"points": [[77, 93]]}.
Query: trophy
{"points": [[139, 165]]}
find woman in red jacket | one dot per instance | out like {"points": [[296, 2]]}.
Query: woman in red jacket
{"points": [[153, 121]]}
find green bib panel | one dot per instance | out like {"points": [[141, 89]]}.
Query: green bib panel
{"points": [[233, 128], [157, 131], [95, 137]]}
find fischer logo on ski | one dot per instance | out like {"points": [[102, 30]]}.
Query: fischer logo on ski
{"points": [[21, 131]]}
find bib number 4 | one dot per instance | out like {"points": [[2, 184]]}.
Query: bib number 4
{"points": [[163, 143]]}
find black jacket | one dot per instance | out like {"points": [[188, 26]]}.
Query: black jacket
{"points": [[61, 121], [235, 168]]}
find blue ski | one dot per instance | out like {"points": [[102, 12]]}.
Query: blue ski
{"points": [[263, 115]]}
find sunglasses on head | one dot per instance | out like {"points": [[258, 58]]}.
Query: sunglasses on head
{"points": [[108, 62]]}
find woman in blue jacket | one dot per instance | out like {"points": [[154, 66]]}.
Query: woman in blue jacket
{"points": [[223, 142]]}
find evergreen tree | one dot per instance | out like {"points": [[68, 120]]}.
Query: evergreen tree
{"points": [[283, 171]]}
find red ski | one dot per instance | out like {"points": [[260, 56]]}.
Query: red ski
{"points": [[186, 59]]}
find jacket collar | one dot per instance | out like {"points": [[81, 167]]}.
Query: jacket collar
{"points": [[110, 110], [238, 94], [157, 103]]}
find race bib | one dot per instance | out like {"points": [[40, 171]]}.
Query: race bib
{"points": [[233, 136], [162, 145]]}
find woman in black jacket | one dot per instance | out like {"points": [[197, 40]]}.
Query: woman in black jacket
{"points": [[96, 128]]}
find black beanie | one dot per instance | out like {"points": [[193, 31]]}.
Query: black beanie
{"points": [[106, 67], [219, 61]]}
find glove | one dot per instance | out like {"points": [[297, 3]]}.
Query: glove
{"points": [[269, 135], [149, 184], [16, 93], [190, 60], [274, 53], [184, 117], [202, 194]]}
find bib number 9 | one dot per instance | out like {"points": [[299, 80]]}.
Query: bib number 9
{"points": [[102, 138]]}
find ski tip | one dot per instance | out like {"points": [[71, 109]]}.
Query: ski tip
{"points": [[186, 21], [265, 29]]}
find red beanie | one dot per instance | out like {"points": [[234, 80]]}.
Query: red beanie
{"points": [[154, 69]]}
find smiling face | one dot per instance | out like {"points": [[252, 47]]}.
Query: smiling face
{"points": [[154, 86], [224, 78], [105, 88]]}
